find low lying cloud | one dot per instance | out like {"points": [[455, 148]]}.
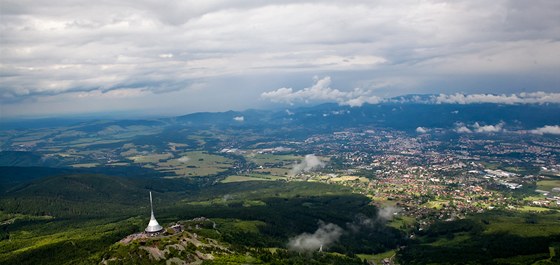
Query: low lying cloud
{"points": [[321, 91], [488, 128], [460, 128], [324, 236], [184, 159], [363, 222], [521, 98], [239, 118], [328, 234], [308, 163], [387, 213], [422, 130], [477, 128], [227, 197], [548, 129]]}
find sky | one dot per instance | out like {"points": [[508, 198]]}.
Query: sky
{"points": [[177, 57]]}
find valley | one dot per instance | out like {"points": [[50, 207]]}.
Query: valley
{"points": [[367, 189]]}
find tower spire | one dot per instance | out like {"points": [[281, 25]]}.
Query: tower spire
{"points": [[153, 225], [151, 206]]}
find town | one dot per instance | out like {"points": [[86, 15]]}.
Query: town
{"points": [[428, 178]]}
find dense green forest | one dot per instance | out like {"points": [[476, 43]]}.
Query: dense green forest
{"points": [[496, 237], [82, 215], [76, 218]]}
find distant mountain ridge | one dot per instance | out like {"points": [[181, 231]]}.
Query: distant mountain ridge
{"points": [[406, 112], [403, 116]]}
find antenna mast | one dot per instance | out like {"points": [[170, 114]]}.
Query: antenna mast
{"points": [[151, 205]]}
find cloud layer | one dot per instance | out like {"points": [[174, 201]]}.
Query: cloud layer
{"points": [[321, 91], [521, 98], [66, 57]]}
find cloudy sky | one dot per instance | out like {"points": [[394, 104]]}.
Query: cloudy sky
{"points": [[167, 58]]}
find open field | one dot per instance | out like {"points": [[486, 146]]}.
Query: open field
{"points": [[240, 225], [377, 258], [253, 177], [274, 171], [272, 160], [402, 221], [85, 165], [548, 185], [437, 204], [349, 178], [153, 158], [197, 163], [534, 209]]}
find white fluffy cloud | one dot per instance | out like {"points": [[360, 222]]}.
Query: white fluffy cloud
{"points": [[322, 91], [308, 163], [239, 118], [462, 129], [548, 129], [387, 213], [488, 128], [422, 130], [477, 128]]}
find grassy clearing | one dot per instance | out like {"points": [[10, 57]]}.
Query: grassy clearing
{"points": [[32, 136], [85, 165], [153, 158], [548, 185], [10, 218], [534, 198], [349, 178], [231, 179], [272, 160], [200, 140], [534, 209], [253, 203], [85, 142], [279, 172], [198, 163], [118, 164], [438, 204], [133, 131], [240, 225], [377, 258], [402, 221]]}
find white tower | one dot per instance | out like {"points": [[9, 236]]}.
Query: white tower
{"points": [[153, 225]]}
